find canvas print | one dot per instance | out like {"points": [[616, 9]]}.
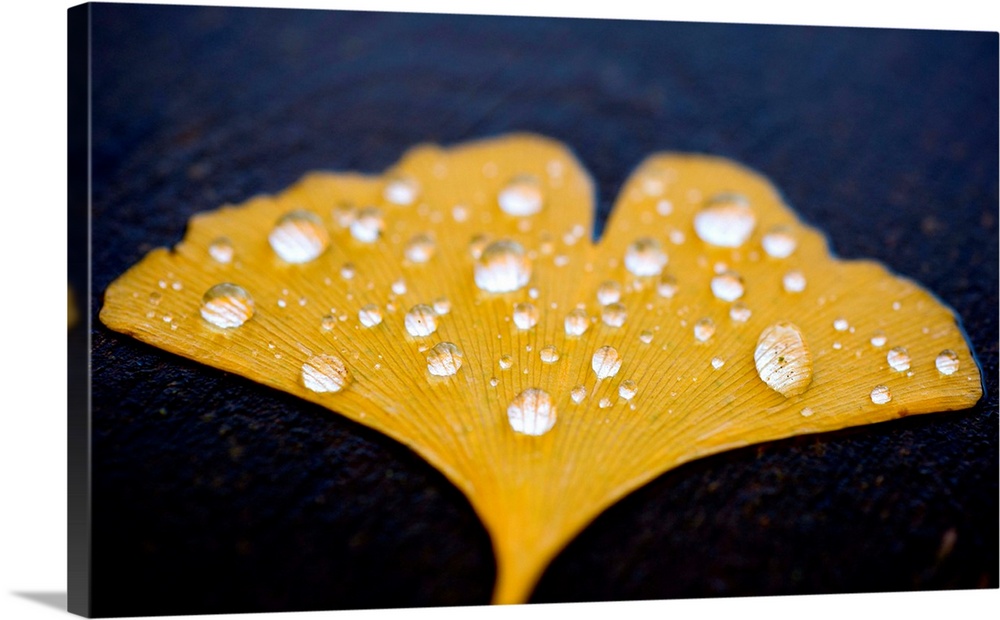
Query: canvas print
{"points": [[412, 310]]}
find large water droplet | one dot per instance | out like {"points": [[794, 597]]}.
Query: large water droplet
{"points": [[444, 359], [628, 389], [325, 373], [502, 267], [221, 250], [727, 221], [727, 286], [420, 249], [880, 394], [779, 242], [227, 305], [609, 292], [645, 257], [532, 412], [614, 315], [525, 315], [576, 322], [898, 359], [783, 360], [606, 362], [947, 362], [421, 321], [401, 190], [704, 329], [549, 354], [367, 225], [521, 197], [370, 315], [299, 237]]}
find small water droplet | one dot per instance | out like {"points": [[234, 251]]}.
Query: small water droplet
{"points": [[717, 362], [664, 207], [604, 403], [505, 362], [325, 373], [667, 286], [947, 362], [794, 282], [421, 321], [502, 267], [879, 339], [494, 382], [282, 303], [532, 412], [898, 359], [578, 393], [444, 359], [367, 225], [646, 336], [806, 412], [370, 315], [299, 237], [549, 354], [521, 197], [606, 362], [399, 287], [477, 244], [837, 346], [343, 214], [628, 389], [726, 221], [739, 312], [442, 305], [221, 250], [420, 248], [168, 318], [226, 305], [328, 322], [348, 271], [613, 315], [609, 292], [727, 286], [154, 298], [645, 257], [525, 315], [401, 190], [460, 213], [841, 324], [783, 360], [704, 329], [576, 322], [779, 242], [533, 293], [880, 395]]}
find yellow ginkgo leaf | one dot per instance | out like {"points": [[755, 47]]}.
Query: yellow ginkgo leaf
{"points": [[457, 304]]}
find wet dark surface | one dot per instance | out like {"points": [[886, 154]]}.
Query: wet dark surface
{"points": [[214, 494]]}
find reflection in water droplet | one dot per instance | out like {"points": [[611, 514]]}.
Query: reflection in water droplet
{"points": [[421, 321], [606, 362], [442, 305], [532, 412], [420, 249], [946, 362], [370, 315], [521, 197], [325, 373], [401, 190], [444, 359], [299, 237], [549, 354], [727, 286], [525, 315], [502, 267], [880, 395], [614, 315], [739, 312], [578, 393], [627, 389], [505, 362], [783, 360], [667, 286], [645, 257], [576, 322], [704, 329], [794, 282], [898, 359], [367, 225], [609, 292], [879, 339], [727, 221], [646, 336], [779, 242], [226, 305], [221, 250]]}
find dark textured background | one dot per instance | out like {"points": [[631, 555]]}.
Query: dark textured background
{"points": [[214, 494]]}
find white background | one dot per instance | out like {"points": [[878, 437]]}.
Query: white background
{"points": [[33, 310]]}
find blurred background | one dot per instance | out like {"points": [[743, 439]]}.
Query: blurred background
{"points": [[214, 494]]}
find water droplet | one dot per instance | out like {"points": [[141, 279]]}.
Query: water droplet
{"points": [[879, 339], [664, 207], [727, 221], [282, 303], [667, 286], [739, 312], [947, 362], [444, 359], [717, 362], [521, 197], [525, 315], [348, 271], [841, 324], [614, 315], [343, 214], [460, 213], [704, 329], [646, 336], [502, 267], [367, 225], [505, 362], [328, 322], [727, 286], [578, 393], [783, 360], [645, 257], [442, 305], [604, 403], [494, 382], [226, 305], [221, 250], [576, 322], [627, 389], [549, 354], [401, 190], [806, 412], [420, 249], [168, 318], [880, 395], [779, 242], [421, 321], [370, 315], [794, 282], [399, 287], [898, 359], [299, 237], [325, 373], [477, 244], [154, 298], [532, 412], [606, 362], [609, 292]]}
